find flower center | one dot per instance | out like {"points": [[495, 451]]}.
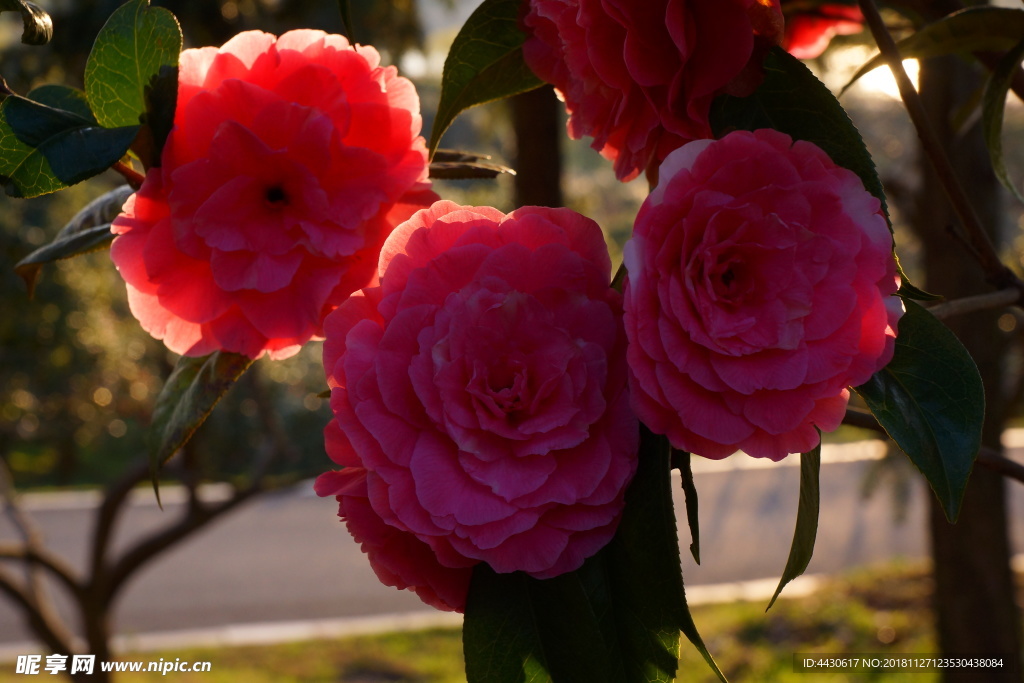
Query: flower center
{"points": [[275, 196]]}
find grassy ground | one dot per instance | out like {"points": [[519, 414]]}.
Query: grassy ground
{"points": [[880, 610]]}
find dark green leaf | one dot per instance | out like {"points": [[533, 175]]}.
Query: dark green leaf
{"points": [[88, 231], [681, 461], [930, 400], [485, 63], [346, 19], [63, 97], [188, 396], [43, 149], [806, 521], [993, 105], [988, 29], [616, 619], [38, 25], [158, 119], [130, 49], [792, 100]]}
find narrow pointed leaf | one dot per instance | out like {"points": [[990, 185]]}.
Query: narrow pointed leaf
{"points": [[466, 170], [190, 393], [806, 531], [681, 460], [485, 63], [88, 231], [993, 106], [130, 49], [43, 149], [931, 401], [344, 7], [38, 27], [988, 29]]}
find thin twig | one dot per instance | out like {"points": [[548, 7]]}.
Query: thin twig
{"points": [[996, 272], [40, 557], [41, 619], [131, 176], [971, 304]]}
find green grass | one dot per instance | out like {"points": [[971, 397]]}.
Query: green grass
{"points": [[878, 610]]}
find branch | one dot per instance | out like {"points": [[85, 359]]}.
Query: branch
{"points": [[109, 510], [970, 304], [131, 176], [41, 618], [40, 557], [996, 272]]}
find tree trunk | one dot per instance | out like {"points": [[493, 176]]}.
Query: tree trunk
{"points": [[539, 127], [976, 613]]}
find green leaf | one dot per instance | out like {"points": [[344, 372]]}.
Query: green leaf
{"points": [[987, 29], [931, 401], [614, 620], [129, 51], [63, 97], [993, 106], [38, 27], [792, 100], [681, 461], [88, 231], [43, 149], [158, 119], [346, 19], [485, 63], [806, 521], [190, 393]]}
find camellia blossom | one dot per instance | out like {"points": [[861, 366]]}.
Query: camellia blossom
{"points": [[290, 161], [808, 32], [759, 289], [480, 399], [639, 77]]}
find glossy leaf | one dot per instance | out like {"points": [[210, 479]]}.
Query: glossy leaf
{"points": [[930, 400], [681, 460], [190, 393], [806, 531], [130, 49], [989, 29], [38, 27], [43, 149], [485, 63], [617, 619], [88, 231], [792, 100], [63, 97], [158, 119], [993, 106]]}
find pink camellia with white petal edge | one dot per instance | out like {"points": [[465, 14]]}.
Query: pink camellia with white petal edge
{"points": [[480, 400], [760, 287], [290, 161]]}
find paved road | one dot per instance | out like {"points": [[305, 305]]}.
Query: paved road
{"points": [[286, 556]]}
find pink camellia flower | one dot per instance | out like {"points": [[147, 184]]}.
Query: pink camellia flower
{"points": [[480, 400], [760, 276], [808, 32], [290, 162], [639, 77]]}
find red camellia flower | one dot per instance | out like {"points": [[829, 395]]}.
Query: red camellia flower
{"points": [[808, 32], [289, 163], [760, 276], [639, 77], [480, 400]]}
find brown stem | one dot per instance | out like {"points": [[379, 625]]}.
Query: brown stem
{"points": [[996, 272], [131, 176], [970, 304], [41, 618]]}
